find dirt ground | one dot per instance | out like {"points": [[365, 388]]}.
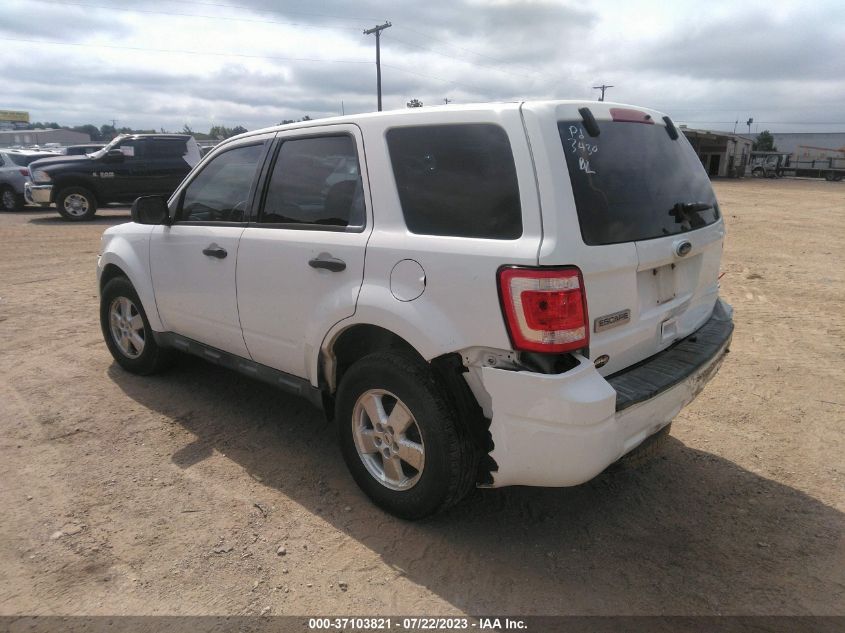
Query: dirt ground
{"points": [[172, 494]]}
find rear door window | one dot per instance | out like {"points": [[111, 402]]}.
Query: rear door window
{"points": [[457, 180], [316, 183], [633, 182]]}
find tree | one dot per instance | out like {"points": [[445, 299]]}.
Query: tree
{"points": [[220, 132], [286, 121], [765, 142], [107, 132], [415, 103], [91, 130]]}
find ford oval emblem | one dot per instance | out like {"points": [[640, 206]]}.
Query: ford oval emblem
{"points": [[683, 248], [601, 361]]}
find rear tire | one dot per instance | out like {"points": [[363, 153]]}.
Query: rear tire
{"points": [[76, 204], [127, 331], [10, 200], [416, 457]]}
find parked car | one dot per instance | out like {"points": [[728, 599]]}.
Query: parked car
{"points": [[131, 165], [540, 296], [78, 150], [13, 175]]}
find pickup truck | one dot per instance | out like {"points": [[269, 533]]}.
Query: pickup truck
{"points": [[132, 165]]}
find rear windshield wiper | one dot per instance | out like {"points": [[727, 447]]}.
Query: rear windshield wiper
{"points": [[689, 213]]}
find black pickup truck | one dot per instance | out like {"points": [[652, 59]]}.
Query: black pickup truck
{"points": [[130, 166]]}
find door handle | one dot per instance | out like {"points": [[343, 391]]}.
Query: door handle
{"points": [[212, 250], [326, 261]]}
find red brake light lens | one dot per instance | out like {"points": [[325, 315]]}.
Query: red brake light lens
{"points": [[24, 172], [545, 309]]}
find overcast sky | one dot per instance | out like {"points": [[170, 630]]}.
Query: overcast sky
{"points": [[167, 63]]}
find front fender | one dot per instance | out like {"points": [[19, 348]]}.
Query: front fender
{"points": [[128, 247], [62, 181]]}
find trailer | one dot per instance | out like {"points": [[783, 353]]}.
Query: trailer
{"points": [[779, 164]]}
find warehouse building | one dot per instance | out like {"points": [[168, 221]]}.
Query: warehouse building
{"points": [[722, 154], [23, 138], [805, 146]]}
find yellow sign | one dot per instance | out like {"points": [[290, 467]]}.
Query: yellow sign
{"points": [[15, 116]]}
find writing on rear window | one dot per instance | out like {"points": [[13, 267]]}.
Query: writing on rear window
{"points": [[580, 145]]}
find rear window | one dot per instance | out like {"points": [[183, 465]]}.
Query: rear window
{"points": [[633, 182], [166, 148], [457, 180]]}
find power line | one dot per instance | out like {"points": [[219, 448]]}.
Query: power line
{"points": [[196, 15], [460, 48], [452, 57], [436, 78], [186, 51], [244, 55], [275, 11]]}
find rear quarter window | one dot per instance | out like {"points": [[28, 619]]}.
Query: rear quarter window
{"points": [[456, 180]]}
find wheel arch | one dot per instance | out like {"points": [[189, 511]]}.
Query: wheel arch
{"points": [[122, 261], [353, 343], [63, 182]]}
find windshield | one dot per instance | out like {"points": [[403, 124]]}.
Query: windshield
{"points": [[102, 152], [633, 182]]}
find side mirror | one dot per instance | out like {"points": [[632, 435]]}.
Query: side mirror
{"points": [[150, 210], [115, 156]]}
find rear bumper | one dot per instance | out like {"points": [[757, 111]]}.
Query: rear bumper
{"points": [[564, 429], [38, 194]]}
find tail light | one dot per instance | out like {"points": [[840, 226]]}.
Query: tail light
{"points": [[24, 172], [545, 308]]}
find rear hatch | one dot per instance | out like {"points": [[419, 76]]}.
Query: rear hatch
{"points": [[626, 199]]}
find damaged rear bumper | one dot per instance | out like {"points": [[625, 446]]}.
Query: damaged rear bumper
{"points": [[564, 429]]}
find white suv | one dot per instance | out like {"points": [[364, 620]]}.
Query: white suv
{"points": [[489, 295]]}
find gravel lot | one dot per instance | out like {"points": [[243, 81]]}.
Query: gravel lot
{"points": [[174, 494]]}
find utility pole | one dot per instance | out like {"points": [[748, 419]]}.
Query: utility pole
{"points": [[377, 30], [602, 87], [447, 100]]}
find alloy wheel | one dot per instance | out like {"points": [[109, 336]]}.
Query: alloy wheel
{"points": [[127, 327], [388, 439]]}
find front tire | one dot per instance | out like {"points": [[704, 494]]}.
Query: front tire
{"points": [[127, 331], [76, 204], [401, 435], [10, 200]]}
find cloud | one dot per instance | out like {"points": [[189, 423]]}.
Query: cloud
{"points": [[804, 45], [21, 22], [218, 63]]}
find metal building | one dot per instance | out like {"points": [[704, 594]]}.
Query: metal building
{"points": [[722, 154], [12, 138]]}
